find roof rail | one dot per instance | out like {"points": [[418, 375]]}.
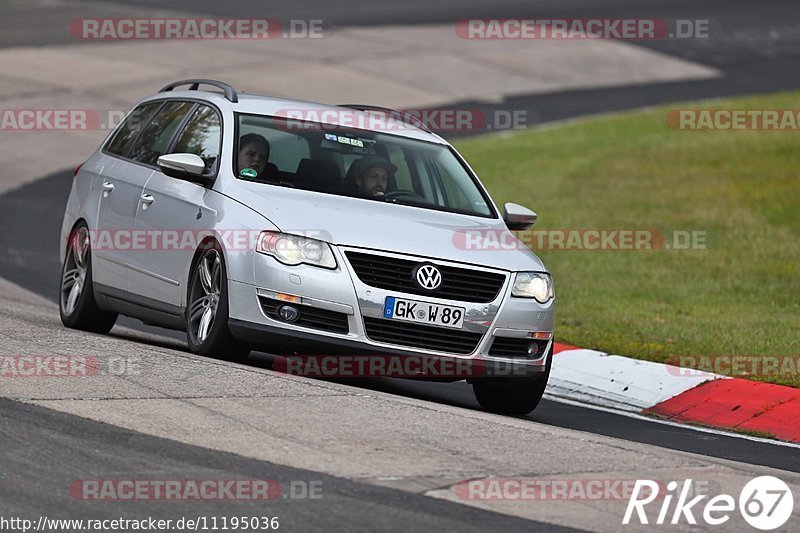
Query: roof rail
{"points": [[407, 117], [230, 92]]}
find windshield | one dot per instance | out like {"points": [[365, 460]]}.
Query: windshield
{"points": [[358, 163]]}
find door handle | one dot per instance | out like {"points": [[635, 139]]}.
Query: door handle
{"points": [[147, 199], [108, 186]]}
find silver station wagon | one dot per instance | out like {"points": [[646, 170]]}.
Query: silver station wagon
{"points": [[306, 230]]}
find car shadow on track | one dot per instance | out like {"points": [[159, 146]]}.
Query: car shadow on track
{"points": [[457, 394], [550, 412]]}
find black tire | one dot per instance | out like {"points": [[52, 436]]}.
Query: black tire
{"points": [[76, 304], [512, 396], [216, 340]]}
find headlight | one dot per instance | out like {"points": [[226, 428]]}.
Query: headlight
{"points": [[294, 250], [536, 285]]}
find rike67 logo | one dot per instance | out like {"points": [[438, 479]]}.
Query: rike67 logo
{"points": [[765, 503]]}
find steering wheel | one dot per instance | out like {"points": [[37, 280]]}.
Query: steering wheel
{"points": [[402, 193]]}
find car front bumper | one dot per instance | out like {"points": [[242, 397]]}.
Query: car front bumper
{"points": [[343, 305]]}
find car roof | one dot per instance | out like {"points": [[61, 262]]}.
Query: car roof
{"points": [[333, 115]]}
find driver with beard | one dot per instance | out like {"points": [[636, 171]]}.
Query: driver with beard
{"points": [[372, 175]]}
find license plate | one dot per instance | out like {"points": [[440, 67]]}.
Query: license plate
{"points": [[423, 313]]}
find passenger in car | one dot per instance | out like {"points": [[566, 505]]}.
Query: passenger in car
{"points": [[254, 158], [372, 175]]}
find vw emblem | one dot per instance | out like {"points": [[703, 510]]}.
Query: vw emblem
{"points": [[429, 277]]}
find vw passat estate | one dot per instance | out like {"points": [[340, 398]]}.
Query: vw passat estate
{"points": [[302, 228]]}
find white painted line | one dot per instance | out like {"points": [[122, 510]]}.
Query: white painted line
{"points": [[618, 382]]}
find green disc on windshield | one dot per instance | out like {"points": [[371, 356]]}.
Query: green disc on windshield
{"points": [[248, 173]]}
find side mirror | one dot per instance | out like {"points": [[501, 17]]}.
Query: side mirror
{"points": [[518, 217], [189, 167]]}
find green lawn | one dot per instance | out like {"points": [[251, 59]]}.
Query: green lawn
{"points": [[739, 296]]}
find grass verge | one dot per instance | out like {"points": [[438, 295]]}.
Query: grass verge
{"points": [[740, 296]]}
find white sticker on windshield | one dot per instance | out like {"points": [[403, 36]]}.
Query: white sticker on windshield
{"points": [[344, 140]]}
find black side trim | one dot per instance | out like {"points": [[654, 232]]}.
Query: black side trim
{"points": [[147, 310]]}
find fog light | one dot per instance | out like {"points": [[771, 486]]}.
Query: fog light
{"points": [[288, 313]]}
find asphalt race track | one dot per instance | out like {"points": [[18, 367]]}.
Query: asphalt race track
{"points": [[386, 451], [757, 53], [70, 448]]}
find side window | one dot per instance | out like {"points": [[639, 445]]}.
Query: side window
{"points": [[398, 158], [202, 137], [128, 130], [155, 137], [286, 149]]}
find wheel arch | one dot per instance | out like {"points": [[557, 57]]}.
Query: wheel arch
{"points": [[202, 247], [66, 236]]}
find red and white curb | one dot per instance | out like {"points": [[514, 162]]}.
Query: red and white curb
{"points": [[676, 394]]}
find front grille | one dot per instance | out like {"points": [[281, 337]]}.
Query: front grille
{"points": [[310, 317], [395, 274], [426, 337], [512, 347]]}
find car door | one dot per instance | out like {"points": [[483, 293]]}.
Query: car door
{"points": [[120, 185], [175, 212]]}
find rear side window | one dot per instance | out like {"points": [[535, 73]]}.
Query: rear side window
{"points": [[156, 136], [287, 149], [202, 136], [129, 130]]}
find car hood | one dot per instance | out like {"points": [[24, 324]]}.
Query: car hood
{"points": [[356, 222]]}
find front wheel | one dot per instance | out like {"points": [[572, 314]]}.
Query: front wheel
{"points": [[207, 310], [76, 303], [512, 396]]}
